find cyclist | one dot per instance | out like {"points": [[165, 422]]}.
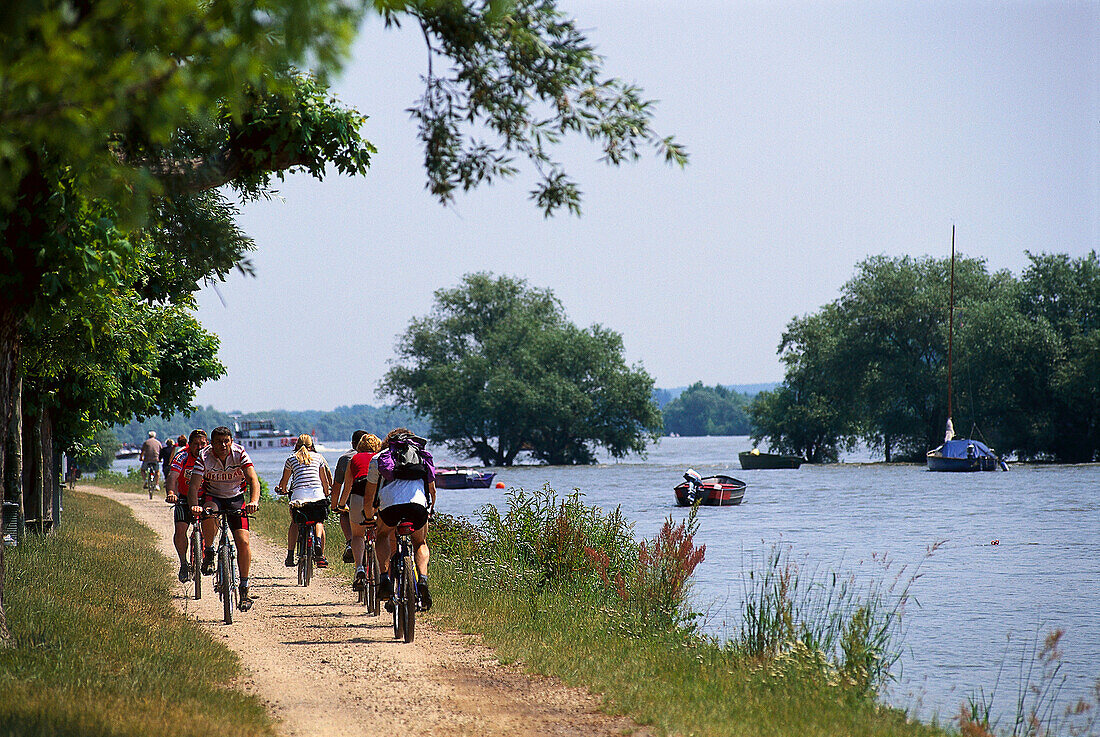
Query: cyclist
{"points": [[356, 474], [175, 492], [167, 451], [338, 488], [401, 499], [150, 459], [310, 482], [224, 469]]}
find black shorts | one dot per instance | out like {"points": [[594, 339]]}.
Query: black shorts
{"points": [[183, 513], [415, 513], [310, 512], [233, 504]]}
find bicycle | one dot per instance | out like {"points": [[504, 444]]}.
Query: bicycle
{"points": [[368, 595], [226, 578], [194, 554], [151, 480], [405, 600], [304, 515]]}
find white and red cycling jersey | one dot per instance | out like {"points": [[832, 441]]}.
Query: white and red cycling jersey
{"points": [[223, 479], [183, 463]]}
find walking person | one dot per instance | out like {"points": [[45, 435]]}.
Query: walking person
{"points": [[310, 482]]}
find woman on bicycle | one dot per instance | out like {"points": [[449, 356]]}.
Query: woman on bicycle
{"points": [[355, 477], [310, 482], [401, 498]]}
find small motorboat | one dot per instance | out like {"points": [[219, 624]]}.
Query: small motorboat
{"points": [[754, 460], [460, 477], [709, 491]]}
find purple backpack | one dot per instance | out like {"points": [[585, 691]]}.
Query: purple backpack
{"points": [[406, 458]]}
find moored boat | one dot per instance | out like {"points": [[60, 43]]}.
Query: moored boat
{"points": [[965, 454], [127, 452], [461, 477], [710, 491], [752, 460]]}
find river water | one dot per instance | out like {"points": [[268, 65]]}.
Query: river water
{"points": [[976, 605]]}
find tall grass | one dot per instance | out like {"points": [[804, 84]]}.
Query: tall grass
{"points": [[99, 648], [851, 625], [566, 589]]}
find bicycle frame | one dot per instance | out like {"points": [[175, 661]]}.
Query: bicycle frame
{"points": [[368, 596], [306, 540], [225, 573]]}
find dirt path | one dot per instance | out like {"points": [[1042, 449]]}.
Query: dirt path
{"points": [[318, 660]]}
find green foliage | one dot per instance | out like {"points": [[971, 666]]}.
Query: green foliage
{"points": [[872, 365], [704, 410], [499, 369], [97, 455], [522, 72]]}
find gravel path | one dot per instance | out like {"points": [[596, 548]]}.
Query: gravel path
{"points": [[326, 668]]}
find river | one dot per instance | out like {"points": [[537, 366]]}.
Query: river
{"points": [[976, 603]]}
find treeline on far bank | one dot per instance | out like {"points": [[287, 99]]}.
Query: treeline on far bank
{"points": [[872, 366]]}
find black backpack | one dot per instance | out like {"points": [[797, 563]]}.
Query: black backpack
{"points": [[407, 459]]}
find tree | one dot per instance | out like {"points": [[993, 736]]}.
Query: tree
{"points": [[499, 370], [704, 410]]}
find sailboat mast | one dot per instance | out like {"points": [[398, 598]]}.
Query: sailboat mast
{"points": [[951, 323]]}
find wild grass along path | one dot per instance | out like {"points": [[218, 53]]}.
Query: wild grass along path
{"points": [[326, 668]]}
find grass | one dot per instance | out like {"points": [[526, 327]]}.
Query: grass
{"points": [[99, 648]]}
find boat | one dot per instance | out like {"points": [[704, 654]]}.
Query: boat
{"points": [[710, 491], [752, 460], [462, 477], [959, 454], [127, 452], [261, 435]]}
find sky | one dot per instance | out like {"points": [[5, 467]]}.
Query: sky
{"points": [[820, 133]]}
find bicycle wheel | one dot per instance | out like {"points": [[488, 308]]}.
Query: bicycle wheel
{"points": [[151, 484], [225, 583], [396, 576], [370, 563], [196, 560], [408, 598], [305, 556]]}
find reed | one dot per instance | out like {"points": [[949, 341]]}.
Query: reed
{"points": [[98, 646]]}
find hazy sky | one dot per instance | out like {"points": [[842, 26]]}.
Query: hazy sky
{"points": [[819, 133]]}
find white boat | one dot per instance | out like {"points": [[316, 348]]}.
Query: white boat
{"points": [[262, 435]]}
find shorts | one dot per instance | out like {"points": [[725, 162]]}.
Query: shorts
{"points": [[359, 487], [415, 513], [357, 514], [146, 465], [310, 512], [233, 504], [183, 513]]}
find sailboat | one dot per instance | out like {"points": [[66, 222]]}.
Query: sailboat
{"points": [[959, 454]]}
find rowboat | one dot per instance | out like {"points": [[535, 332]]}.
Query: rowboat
{"points": [[712, 491], [459, 477], [754, 460]]}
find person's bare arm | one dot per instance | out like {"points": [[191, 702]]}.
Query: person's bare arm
{"points": [[254, 487]]}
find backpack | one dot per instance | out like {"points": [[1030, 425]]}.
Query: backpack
{"points": [[406, 458]]}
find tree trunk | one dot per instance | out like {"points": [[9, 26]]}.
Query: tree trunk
{"points": [[9, 393]]}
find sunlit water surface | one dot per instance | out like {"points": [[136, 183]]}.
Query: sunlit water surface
{"points": [[976, 604]]}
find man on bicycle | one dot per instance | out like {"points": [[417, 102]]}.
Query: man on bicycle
{"points": [[224, 469], [403, 496], [150, 459], [175, 492]]}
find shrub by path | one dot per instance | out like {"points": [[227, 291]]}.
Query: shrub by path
{"points": [[326, 668]]}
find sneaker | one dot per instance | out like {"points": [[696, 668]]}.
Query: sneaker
{"points": [[208, 562], [349, 557], [289, 562], [359, 583], [185, 572], [245, 602], [424, 595], [321, 561], [389, 605], [385, 588]]}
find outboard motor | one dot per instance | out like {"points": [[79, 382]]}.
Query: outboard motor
{"points": [[695, 484]]}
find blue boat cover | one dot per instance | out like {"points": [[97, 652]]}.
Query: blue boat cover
{"points": [[957, 449]]}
